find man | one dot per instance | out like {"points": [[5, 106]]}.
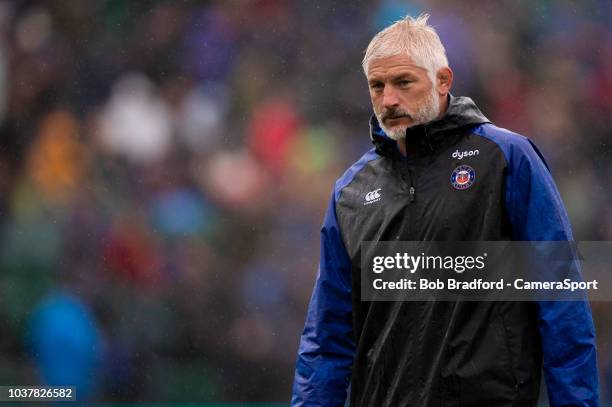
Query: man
{"points": [[410, 187]]}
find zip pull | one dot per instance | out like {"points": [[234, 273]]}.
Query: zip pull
{"points": [[411, 191]]}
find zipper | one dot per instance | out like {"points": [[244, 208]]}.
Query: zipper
{"points": [[412, 189], [509, 352], [428, 141]]}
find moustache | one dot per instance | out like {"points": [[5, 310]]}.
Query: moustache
{"points": [[395, 114]]}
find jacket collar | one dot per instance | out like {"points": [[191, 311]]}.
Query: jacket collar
{"points": [[461, 113]]}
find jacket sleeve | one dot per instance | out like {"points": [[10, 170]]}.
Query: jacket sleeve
{"points": [[326, 350], [536, 213]]}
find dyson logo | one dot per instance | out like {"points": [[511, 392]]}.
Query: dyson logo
{"points": [[460, 154]]}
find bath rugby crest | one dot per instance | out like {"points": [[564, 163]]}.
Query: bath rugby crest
{"points": [[463, 177]]}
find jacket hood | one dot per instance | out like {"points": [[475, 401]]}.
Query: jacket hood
{"points": [[461, 112]]}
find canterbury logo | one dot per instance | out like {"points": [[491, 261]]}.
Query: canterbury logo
{"points": [[372, 196], [460, 154]]}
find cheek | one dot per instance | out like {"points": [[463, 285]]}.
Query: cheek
{"points": [[409, 100], [376, 106], [424, 91], [415, 97]]}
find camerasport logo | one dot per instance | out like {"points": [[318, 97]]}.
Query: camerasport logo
{"points": [[463, 177], [373, 196]]}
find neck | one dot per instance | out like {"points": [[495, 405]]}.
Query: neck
{"points": [[401, 144]]}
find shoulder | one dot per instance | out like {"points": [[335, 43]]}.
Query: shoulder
{"points": [[506, 139], [353, 170], [515, 147]]}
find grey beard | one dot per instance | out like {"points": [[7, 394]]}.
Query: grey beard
{"points": [[425, 113]]}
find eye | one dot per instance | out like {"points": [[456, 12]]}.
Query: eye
{"points": [[404, 83], [376, 86]]}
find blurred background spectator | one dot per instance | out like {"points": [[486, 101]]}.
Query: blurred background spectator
{"points": [[165, 165]]}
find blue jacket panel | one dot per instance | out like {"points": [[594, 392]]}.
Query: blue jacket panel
{"points": [[327, 346], [536, 213]]}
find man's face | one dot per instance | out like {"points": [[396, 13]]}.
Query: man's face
{"points": [[402, 94]]}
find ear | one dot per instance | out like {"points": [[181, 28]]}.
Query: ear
{"points": [[444, 80]]}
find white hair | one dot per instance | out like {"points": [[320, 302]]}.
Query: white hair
{"points": [[409, 36]]}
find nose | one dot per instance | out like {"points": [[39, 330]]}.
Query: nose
{"points": [[390, 97]]}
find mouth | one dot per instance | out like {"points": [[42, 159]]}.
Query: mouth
{"points": [[398, 117]]}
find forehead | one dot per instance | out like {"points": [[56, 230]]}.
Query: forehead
{"points": [[394, 66]]}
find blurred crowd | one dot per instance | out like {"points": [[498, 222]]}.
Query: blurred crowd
{"points": [[165, 165]]}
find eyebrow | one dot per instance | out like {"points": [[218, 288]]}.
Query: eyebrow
{"points": [[405, 75]]}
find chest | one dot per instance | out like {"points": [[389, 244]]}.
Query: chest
{"points": [[456, 193]]}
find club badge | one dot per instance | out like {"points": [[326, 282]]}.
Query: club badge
{"points": [[463, 177]]}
